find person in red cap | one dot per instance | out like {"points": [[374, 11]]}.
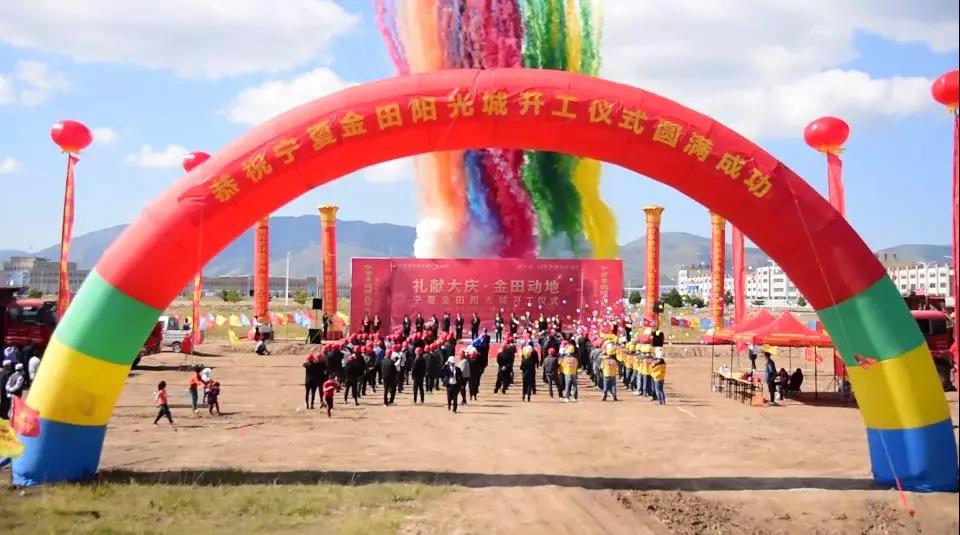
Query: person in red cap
{"points": [[551, 367], [330, 386], [334, 359], [370, 370], [435, 367], [388, 374], [505, 359], [354, 374], [312, 380]]}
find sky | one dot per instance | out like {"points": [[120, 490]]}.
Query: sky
{"points": [[154, 80]]}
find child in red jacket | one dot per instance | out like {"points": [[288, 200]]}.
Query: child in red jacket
{"points": [[161, 401], [330, 387]]}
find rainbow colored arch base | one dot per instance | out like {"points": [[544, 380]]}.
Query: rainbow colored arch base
{"points": [[909, 432]]}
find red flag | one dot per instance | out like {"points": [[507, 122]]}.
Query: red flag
{"points": [[26, 421], [810, 354], [675, 322], [835, 183], [863, 361], [66, 234]]}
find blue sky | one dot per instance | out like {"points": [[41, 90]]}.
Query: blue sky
{"points": [[866, 69]]}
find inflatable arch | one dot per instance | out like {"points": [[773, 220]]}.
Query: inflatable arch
{"points": [[909, 430]]}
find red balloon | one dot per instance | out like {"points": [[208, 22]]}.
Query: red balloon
{"points": [[945, 90], [826, 133], [71, 136], [194, 159]]}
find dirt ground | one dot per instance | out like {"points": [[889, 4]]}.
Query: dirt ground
{"points": [[701, 464]]}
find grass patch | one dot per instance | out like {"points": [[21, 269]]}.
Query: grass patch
{"points": [[136, 507]]}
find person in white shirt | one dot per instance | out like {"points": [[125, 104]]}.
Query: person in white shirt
{"points": [[452, 377], [33, 365]]}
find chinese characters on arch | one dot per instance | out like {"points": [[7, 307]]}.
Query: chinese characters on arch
{"points": [[344, 126]]}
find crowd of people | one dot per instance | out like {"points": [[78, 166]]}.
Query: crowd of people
{"points": [[426, 356], [18, 371]]}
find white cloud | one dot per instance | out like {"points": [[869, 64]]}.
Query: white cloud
{"points": [[190, 37], [8, 165], [767, 68], [104, 135], [172, 156], [259, 103], [31, 83], [389, 172]]}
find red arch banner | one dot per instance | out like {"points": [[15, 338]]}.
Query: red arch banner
{"points": [[909, 430], [511, 108]]}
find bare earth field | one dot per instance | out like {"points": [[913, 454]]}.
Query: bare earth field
{"points": [[701, 464]]}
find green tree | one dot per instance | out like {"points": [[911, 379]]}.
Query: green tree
{"points": [[728, 297], [34, 294], [697, 302], [635, 298], [300, 297], [230, 296], [673, 298], [801, 301]]}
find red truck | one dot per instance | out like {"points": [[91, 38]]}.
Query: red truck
{"points": [[32, 321], [26, 321], [937, 329]]}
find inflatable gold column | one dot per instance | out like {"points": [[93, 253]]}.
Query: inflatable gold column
{"points": [[718, 263], [653, 262], [328, 231], [261, 269]]}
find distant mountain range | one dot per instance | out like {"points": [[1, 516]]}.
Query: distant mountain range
{"points": [[300, 237]]}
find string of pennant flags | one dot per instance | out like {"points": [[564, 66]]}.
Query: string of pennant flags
{"points": [[303, 318]]}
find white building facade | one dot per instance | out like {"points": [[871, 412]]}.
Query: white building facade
{"points": [[771, 286], [698, 282], [923, 279]]}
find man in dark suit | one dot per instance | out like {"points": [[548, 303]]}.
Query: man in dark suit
{"points": [[452, 377], [474, 326], [505, 360], [388, 373]]}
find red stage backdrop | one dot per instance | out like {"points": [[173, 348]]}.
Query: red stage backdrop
{"points": [[572, 289]]}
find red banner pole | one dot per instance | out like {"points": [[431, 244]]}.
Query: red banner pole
{"points": [[328, 230], [261, 270], [66, 234], [739, 277], [835, 183], [197, 293], [956, 244], [654, 214], [718, 268]]}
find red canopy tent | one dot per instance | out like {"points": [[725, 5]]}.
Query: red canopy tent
{"points": [[726, 335], [784, 331]]}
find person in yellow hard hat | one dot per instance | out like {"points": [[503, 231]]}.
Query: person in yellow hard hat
{"points": [[609, 367], [658, 373], [628, 359], [568, 367], [637, 366]]}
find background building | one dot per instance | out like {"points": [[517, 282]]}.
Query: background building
{"points": [[697, 282], [15, 270], [44, 276], [771, 285], [923, 279]]}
